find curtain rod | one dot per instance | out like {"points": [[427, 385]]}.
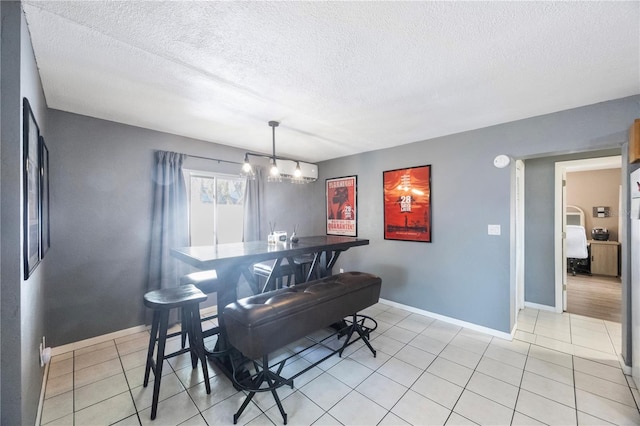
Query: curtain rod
{"points": [[213, 159]]}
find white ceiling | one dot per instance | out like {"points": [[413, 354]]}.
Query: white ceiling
{"points": [[341, 77]]}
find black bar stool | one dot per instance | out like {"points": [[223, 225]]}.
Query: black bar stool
{"points": [[207, 282], [187, 298]]}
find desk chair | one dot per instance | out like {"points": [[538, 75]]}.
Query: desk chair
{"points": [[577, 250]]}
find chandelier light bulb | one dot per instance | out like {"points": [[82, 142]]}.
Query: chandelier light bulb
{"points": [[275, 174]]}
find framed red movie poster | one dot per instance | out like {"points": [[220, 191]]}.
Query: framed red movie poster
{"points": [[341, 196], [407, 204]]}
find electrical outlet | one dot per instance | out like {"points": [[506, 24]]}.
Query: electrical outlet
{"points": [[44, 358], [341, 270]]}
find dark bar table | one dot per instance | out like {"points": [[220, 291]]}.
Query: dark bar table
{"points": [[231, 261]]}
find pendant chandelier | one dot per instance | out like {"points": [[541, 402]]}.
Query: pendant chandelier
{"points": [[280, 168]]}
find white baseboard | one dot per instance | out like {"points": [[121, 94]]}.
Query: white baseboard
{"points": [[514, 329], [540, 307], [469, 325], [42, 393], [115, 335], [96, 340], [79, 345], [507, 336], [625, 368]]}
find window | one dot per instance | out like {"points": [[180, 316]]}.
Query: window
{"points": [[216, 207]]}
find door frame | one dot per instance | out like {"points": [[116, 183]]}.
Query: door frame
{"points": [[561, 169], [519, 235]]}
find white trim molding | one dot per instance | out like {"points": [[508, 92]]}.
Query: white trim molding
{"points": [[469, 325], [96, 340], [540, 307]]}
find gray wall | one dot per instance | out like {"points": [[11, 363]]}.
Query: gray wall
{"points": [[539, 224], [292, 204], [21, 302], [100, 208], [101, 205], [464, 273], [539, 272], [101, 185], [462, 267], [10, 270]]}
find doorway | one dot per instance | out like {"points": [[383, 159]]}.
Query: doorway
{"points": [[596, 291]]}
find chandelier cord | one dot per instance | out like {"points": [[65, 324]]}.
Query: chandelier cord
{"points": [[273, 125]]}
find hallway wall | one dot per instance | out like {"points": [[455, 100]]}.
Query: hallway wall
{"points": [[588, 189], [540, 222]]}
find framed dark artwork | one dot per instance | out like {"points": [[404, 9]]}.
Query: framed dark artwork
{"points": [[341, 198], [45, 237], [31, 185], [407, 204]]}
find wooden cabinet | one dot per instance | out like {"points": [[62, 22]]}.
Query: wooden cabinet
{"points": [[605, 257]]}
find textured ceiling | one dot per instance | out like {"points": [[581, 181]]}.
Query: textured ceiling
{"points": [[341, 77]]}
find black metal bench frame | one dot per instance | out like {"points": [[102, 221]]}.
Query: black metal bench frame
{"points": [[264, 373]]}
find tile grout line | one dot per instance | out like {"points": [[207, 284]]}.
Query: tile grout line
{"points": [[575, 392], [438, 355], [575, 389], [73, 386], [513, 415], [137, 413], [418, 378], [467, 384], [423, 372]]}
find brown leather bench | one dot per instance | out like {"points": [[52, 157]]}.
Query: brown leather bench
{"points": [[261, 324]]}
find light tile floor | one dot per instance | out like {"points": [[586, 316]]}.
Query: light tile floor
{"points": [[561, 369]]}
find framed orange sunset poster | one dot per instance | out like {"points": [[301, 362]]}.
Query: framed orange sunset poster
{"points": [[407, 204]]}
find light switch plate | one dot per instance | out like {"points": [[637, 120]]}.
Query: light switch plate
{"points": [[493, 229]]}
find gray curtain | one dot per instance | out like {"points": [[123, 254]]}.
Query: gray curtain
{"points": [[169, 221], [253, 208]]}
